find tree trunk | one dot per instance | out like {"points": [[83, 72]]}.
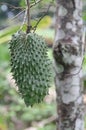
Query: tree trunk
{"points": [[68, 51]]}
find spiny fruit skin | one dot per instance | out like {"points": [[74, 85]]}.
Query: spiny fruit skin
{"points": [[30, 66]]}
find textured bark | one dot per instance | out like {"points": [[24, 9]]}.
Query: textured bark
{"points": [[68, 51]]}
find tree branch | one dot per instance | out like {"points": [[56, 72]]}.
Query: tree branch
{"points": [[45, 13], [36, 2], [28, 16], [11, 6], [18, 14]]}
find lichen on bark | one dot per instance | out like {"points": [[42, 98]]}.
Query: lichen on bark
{"points": [[68, 52]]}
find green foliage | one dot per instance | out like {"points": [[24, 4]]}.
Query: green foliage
{"points": [[6, 33], [4, 54], [84, 63], [48, 127], [84, 16], [85, 122], [44, 23], [3, 125], [30, 66], [22, 3], [4, 65], [39, 112]]}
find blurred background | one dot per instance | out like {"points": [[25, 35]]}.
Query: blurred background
{"points": [[14, 115]]}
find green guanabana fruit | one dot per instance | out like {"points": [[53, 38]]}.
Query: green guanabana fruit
{"points": [[30, 66]]}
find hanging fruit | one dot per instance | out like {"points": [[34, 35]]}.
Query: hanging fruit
{"points": [[30, 66]]}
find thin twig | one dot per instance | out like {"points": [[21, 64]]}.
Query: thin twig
{"points": [[36, 2], [24, 20], [28, 12], [11, 6], [18, 14], [28, 16], [45, 13], [23, 8]]}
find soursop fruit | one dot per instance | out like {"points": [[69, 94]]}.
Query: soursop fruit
{"points": [[30, 66]]}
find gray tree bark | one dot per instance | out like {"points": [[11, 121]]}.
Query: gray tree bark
{"points": [[68, 51]]}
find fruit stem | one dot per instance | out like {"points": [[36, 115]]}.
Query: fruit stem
{"points": [[28, 16]]}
